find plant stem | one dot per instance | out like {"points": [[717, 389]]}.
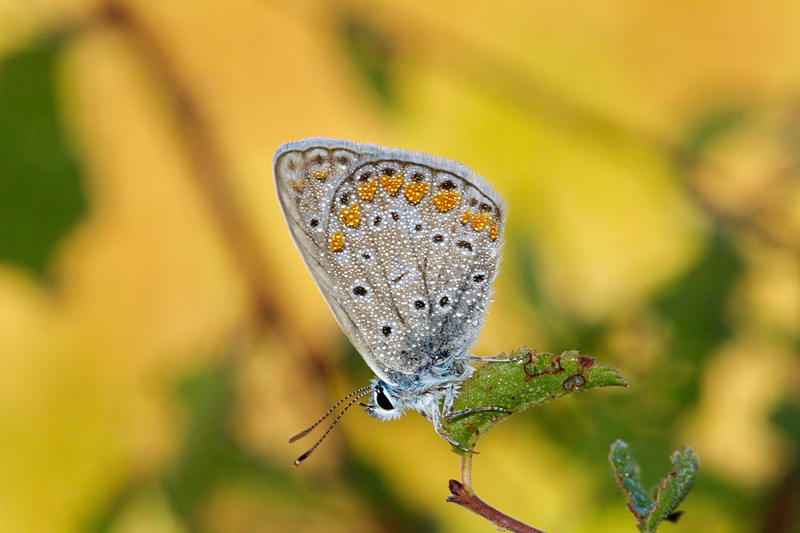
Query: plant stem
{"points": [[466, 472], [462, 494], [463, 497]]}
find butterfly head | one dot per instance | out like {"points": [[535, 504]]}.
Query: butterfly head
{"points": [[386, 403]]}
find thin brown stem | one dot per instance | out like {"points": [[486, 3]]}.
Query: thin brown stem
{"points": [[462, 494], [463, 497]]}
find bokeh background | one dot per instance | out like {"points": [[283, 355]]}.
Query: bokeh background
{"points": [[160, 338]]}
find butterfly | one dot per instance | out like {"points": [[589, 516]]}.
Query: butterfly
{"points": [[404, 247]]}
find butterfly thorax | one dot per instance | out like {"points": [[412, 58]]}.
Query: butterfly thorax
{"points": [[421, 392]]}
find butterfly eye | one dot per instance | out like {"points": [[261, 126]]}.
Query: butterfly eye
{"points": [[382, 400]]}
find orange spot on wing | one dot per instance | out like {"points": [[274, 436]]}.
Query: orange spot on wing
{"points": [[415, 191], [366, 191], [481, 221], [392, 184], [320, 173], [351, 217], [445, 200], [337, 242]]}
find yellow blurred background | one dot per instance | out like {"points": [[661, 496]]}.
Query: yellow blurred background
{"points": [[160, 338]]}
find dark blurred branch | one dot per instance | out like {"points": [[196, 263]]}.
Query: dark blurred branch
{"points": [[205, 157], [782, 514]]}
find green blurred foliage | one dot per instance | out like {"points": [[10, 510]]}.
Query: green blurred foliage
{"points": [[41, 196], [371, 54]]}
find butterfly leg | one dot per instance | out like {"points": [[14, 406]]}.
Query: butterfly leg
{"points": [[450, 397], [496, 359], [462, 412], [447, 413], [437, 425], [432, 412]]}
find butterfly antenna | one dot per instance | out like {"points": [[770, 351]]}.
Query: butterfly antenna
{"points": [[346, 407], [326, 415], [361, 392]]}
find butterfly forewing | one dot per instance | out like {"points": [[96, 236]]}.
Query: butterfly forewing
{"points": [[403, 246]]}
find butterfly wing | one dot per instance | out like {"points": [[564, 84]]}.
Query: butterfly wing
{"points": [[403, 246]]}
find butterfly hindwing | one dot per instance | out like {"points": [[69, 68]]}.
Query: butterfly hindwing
{"points": [[403, 246]]}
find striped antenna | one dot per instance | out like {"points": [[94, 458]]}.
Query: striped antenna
{"points": [[360, 393]]}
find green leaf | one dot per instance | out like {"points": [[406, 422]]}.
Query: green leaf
{"points": [[673, 490], [675, 487], [523, 381], [629, 478], [40, 191]]}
